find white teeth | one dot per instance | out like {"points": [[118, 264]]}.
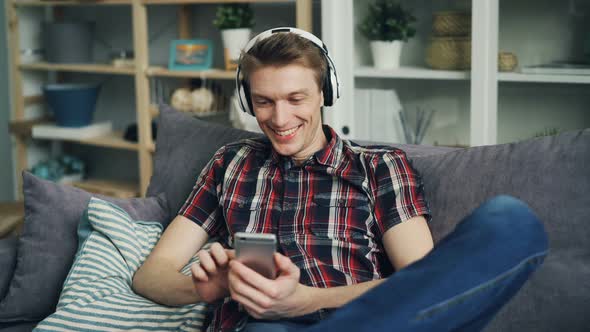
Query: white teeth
{"points": [[286, 132]]}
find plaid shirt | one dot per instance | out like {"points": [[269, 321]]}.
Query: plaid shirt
{"points": [[328, 214]]}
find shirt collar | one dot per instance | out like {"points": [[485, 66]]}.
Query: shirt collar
{"points": [[329, 155]]}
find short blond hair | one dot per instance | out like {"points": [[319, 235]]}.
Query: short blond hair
{"points": [[282, 49]]}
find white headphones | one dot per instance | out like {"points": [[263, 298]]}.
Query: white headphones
{"points": [[331, 87]]}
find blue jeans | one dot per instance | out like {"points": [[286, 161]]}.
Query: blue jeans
{"points": [[458, 286]]}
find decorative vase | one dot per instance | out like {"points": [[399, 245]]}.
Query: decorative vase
{"points": [[73, 105], [386, 54], [68, 42], [234, 41]]}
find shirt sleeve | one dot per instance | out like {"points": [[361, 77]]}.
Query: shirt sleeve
{"points": [[202, 205], [397, 190]]}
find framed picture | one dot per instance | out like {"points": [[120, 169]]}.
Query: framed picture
{"points": [[190, 54]]}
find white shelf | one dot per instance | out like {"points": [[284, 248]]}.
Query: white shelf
{"points": [[541, 78], [411, 72]]}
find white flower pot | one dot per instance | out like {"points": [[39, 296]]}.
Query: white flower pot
{"points": [[234, 41], [386, 54]]}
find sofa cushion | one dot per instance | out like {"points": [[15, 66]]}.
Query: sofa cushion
{"points": [[551, 175], [184, 146], [48, 244], [98, 295], [18, 326]]}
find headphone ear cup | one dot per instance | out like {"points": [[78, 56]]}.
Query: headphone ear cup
{"points": [[244, 96], [248, 97], [328, 88]]}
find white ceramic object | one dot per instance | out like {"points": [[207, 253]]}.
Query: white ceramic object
{"points": [[234, 41], [386, 54], [202, 100], [182, 100]]}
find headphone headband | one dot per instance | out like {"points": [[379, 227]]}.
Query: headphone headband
{"points": [[331, 87], [302, 33]]}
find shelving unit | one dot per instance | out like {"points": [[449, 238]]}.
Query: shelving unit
{"points": [[410, 72], [141, 72], [217, 74], [79, 68], [490, 106]]}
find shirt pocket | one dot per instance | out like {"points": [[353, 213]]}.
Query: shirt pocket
{"points": [[342, 218], [246, 214]]}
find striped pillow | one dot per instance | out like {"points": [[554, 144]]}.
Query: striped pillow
{"points": [[97, 294]]}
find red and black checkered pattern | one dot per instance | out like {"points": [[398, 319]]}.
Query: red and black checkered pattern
{"points": [[328, 214]]}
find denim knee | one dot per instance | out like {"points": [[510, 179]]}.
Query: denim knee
{"points": [[512, 219]]}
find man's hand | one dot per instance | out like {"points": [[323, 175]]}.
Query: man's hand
{"points": [[210, 276], [270, 299]]}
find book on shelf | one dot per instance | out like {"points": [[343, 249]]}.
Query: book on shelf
{"points": [[558, 68], [52, 131], [376, 116]]}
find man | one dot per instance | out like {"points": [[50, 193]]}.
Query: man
{"points": [[345, 216]]}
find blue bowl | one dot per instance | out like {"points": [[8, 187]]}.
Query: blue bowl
{"points": [[73, 105]]}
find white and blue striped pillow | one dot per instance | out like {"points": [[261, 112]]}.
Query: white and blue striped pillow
{"points": [[97, 294]]}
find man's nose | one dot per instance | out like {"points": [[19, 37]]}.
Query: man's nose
{"points": [[280, 115]]}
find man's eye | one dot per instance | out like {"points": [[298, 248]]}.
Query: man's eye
{"points": [[296, 100], [261, 102]]}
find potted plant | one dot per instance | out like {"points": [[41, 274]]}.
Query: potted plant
{"points": [[387, 26], [235, 22]]}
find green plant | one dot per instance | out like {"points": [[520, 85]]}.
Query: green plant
{"points": [[387, 20], [234, 16], [547, 132]]}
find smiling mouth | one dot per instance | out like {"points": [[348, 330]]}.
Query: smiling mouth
{"points": [[286, 132]]}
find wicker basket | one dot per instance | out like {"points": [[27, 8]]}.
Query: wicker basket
{"points": [[451, 24], [449, 53], [507, 61]]}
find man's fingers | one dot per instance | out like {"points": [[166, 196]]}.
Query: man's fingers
{"points": [[284, 264], [253, 309], [254, 279], [207, 262], [198, 273], [246, 294], [219, 255], [231, 254]]}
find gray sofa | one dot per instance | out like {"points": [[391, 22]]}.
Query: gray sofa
{"points": [[551, 174]]}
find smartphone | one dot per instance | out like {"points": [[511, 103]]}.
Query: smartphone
{"points": [[256, 250]]}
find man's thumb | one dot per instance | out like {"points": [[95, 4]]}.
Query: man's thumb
{"points": [[285, 265]]}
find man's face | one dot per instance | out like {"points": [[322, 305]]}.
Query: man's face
{"points": [[287, 103]]}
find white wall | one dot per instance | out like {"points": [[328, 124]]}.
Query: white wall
{"points": [[541, 31]]}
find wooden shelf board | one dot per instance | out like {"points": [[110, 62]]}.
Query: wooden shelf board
{"points": [[114, 140], [118, 189], [411, 72], [84, 68], [129, 2], [71, 2], [24, 127], [188, 2], [210, 74], [33, 100], [541, 78], [152, 147]]}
